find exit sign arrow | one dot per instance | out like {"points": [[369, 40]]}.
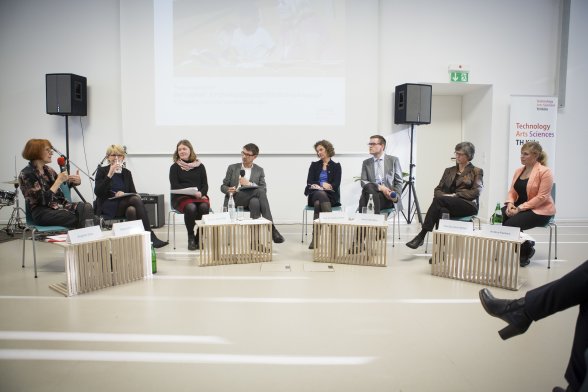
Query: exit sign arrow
{"points": [[459, 76]]}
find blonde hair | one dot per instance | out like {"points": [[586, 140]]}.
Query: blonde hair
{"points": [[536, 149], [116, 149]]}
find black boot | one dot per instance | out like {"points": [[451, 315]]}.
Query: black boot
{"points": [[311, 245], [418, 240], [157, 243], [192, 242], [276, 236], [511, 311]]}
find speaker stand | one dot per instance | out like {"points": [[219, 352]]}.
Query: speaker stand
{"points": [[16, 223], [67, 156], [409, 187]]}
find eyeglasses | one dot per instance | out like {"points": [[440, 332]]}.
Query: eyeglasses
{"points": [[374, 144], [247, 154], [459, 154], [49, 150], [117, 155]]}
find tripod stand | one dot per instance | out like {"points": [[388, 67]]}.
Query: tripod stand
{"points": [[15, 222], [410, 186]]}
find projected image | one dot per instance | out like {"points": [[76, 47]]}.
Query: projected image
{"points": [[250, 62], [271, 37]]}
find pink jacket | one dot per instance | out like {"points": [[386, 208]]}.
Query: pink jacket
{"points": [[539, 186]]}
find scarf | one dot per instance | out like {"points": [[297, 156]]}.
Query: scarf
{"points": [[188, 165]]}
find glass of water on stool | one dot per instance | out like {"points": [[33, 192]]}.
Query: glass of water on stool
{"points": [[240, 213]]}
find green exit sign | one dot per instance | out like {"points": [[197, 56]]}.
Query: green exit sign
{"points": [[459, 76]]}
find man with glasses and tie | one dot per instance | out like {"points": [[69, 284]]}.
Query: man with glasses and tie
{"points": [[246, 181], [381, 176]]}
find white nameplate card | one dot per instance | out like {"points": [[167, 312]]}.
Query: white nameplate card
{"points": [[455, 227], [87, 234], [332, 217], [368, 219], [122, 229], [222, 218], [501, 232]]}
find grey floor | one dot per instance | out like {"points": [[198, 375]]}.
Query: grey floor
{"points": [[262, 327]]}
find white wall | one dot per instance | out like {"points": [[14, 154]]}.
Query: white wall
{"points": [[515, 52]]}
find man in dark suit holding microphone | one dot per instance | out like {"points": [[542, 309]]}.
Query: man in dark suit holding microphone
{"points": [[246, 181], [381, 176]]}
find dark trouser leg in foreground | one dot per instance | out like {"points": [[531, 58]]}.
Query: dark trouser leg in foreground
{"points": [[570, 290]]}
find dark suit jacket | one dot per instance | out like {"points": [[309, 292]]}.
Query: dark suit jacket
{"points": [[233, 174], [104, 183], [333, 178], [392, 175], [468, 186]]}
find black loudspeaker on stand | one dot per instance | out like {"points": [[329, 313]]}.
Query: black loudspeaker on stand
{"points": [[412, 105], [65, 95]]}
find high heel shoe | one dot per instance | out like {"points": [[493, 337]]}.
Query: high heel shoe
{"points": [[510, 311]]}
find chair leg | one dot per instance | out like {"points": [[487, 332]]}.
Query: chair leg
{"points": [[24, 232], [34, 253], [555, 240], [168, 223], [427, 242], [302, 228], [174, 230], [549, 253]]}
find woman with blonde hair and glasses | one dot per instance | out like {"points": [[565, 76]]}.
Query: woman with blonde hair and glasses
{"points": [[116, 194], [188, 172]]}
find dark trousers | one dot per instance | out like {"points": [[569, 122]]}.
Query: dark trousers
{"points": [[193, 212], [315, 199], [132, 208], [454, 206], [72, 219], [525, 219], [380, 201], [255, 200], [570, 290]]}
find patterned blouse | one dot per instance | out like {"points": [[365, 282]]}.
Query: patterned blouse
{"points": [[36, 190]]}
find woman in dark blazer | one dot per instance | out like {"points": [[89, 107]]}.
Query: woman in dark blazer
{"points": [[114, 180], [323, 181], [457, 192]]}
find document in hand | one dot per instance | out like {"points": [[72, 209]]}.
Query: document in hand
{"points": [[185, 191], [121, 196]]}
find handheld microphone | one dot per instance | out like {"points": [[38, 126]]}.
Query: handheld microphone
{"points": [[242, 173], [61, 163]]}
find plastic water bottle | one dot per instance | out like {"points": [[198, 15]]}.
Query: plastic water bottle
{"points": [[370, 205], [231, 208], [153, 259], [497, 216]]}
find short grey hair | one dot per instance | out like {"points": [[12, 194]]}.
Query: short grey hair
{"points": [[467, 148]]}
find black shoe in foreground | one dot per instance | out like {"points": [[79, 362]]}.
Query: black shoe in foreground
{"points": [[157, 243], [192, 244], [510, 311], [277, 237], [416, 241]]}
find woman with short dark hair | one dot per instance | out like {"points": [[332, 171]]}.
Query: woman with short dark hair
{"points": [[457, 192], [40, 186]]}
